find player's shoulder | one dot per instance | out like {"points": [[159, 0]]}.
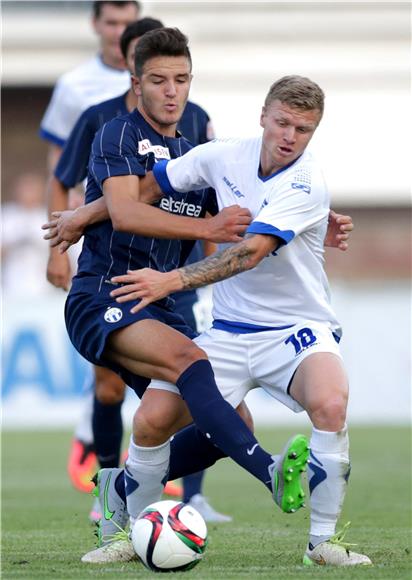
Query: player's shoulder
{"points": [[78, 73], [194, 108], [237, 145], [111, 107]]}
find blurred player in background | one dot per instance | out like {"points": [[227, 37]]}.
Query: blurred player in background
{"points": [[22, 255], [107, 429], [99, 78]]}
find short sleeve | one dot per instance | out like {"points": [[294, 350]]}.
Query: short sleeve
{"points": [[291, 209], [114, 152], [186, 173], [61, 115]]}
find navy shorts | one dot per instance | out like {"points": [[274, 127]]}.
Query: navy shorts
{"points": [[92, 315]]}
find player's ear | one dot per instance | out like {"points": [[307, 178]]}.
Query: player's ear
{"points": [[262, 115], [136, 86]]}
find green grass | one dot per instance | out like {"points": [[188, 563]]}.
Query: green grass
{"points": [[45, 529]]}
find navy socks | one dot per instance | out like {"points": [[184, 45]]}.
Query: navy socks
{"points": [[217, 419], [107, 432]]}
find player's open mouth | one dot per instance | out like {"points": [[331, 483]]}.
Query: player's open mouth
{"points": [[285, 150], [170, 108]]}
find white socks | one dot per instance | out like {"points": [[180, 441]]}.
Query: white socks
{"points": [[146, 473], [328, 473], [84, 431]]}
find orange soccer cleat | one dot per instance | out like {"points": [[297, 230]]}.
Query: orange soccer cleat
{"points": [[82, 465], [173, 489]]}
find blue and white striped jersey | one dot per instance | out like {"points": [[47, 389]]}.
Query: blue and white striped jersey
{"points": [[128, 145]]}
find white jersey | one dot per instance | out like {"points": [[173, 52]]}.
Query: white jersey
{"points": [[88, 84], [292, 204]]}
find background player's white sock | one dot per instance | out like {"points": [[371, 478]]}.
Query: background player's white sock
{"points": [[328, 473], [83, 430], [145, 476]]}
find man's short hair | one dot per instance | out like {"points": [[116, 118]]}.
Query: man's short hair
{"points": [[136, 30], [97, 6], [161, 42], [297, 92]]}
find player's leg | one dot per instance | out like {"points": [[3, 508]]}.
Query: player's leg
{"points": [[320, 386], [152, 349], [82, 463], [107, 419]]}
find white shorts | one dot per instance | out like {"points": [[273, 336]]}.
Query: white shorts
{"points": [[242, 362]]}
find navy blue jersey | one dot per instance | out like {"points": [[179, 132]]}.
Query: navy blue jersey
{"points": [[194, 124], [128, 145], [72, 166]]}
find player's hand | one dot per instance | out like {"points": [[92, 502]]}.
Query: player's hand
{"points": [[228, 225], [59, 270], [64, 230], [146, 285], [338, 232]]}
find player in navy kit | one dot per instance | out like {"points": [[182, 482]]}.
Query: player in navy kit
{"points": [[156, 343], [72, 169]]}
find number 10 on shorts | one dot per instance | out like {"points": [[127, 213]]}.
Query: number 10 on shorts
{"points": [[301, 340]]}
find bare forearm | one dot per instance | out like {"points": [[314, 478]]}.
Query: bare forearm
{"points": [[57, 196], [142, 219]]}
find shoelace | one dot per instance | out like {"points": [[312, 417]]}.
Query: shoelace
{"points": [[120, 535], [338, 538]]}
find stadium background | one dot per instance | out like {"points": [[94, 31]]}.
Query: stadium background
{"points": [[359, 53]]}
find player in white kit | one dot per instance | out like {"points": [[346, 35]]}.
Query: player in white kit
{"points": [[273, 323]]}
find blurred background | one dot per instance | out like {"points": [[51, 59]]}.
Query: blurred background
{"points": [[359, 52]]}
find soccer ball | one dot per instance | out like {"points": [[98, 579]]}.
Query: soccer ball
{"points": [[169, 536]]}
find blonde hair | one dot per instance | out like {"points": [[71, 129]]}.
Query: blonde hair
{"points": [[297, 92]]}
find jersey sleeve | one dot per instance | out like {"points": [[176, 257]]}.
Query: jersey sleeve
{"points": [[292, 208], [114, 152], [72, 166], [61, 114], [186, 173]]}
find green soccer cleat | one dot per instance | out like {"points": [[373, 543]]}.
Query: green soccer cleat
{"points": [[335, 552], [287, 486], [114, 516]]}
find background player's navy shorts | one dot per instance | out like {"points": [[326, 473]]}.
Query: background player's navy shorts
{"points": [[92, 315]]}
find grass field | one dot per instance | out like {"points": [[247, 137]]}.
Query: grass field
{"points": [[45, 529]]}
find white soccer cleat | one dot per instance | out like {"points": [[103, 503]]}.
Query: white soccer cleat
{"points": [[335, 552], [117, 551], [200, 503]]}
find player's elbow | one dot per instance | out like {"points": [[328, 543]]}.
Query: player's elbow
{"points": [[120, 221]]}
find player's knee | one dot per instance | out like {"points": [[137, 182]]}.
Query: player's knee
{"points": [[109, 392], [153, 425], [185, 358], [246, 415], [330, 415]]}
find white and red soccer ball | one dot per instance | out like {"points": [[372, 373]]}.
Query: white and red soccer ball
{"points": [[169, 536]]}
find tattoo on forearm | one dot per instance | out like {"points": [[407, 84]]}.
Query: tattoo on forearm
{"points": [[219, 266]]}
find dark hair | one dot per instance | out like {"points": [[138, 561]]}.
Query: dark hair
{"points": [[161, 42], [297, 92], [97, 6], [136, 30]]}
